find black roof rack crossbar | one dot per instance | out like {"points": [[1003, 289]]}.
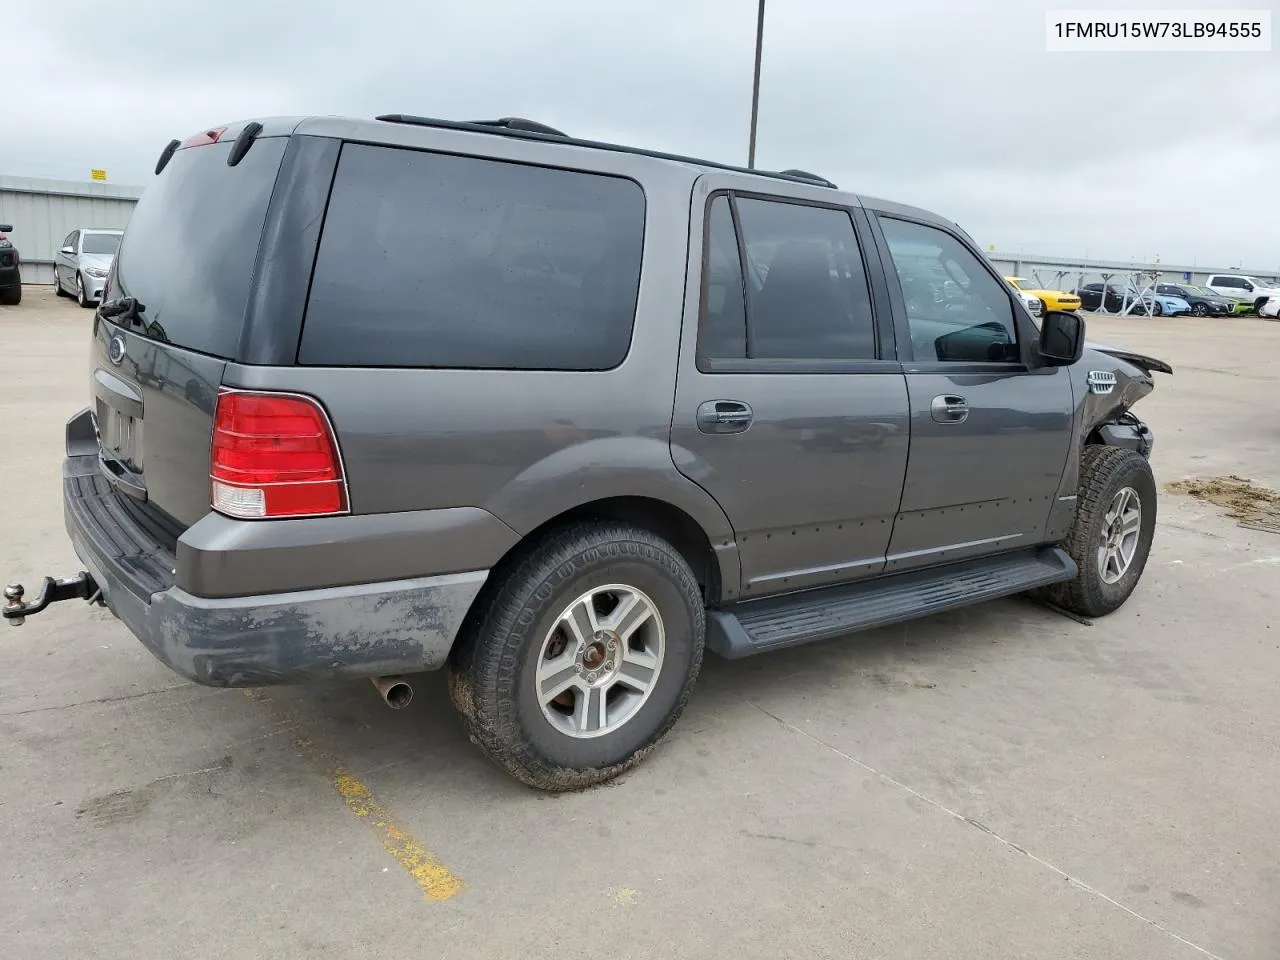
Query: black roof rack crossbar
{"points": [[520, 123], [528, 129], [805, 175]]}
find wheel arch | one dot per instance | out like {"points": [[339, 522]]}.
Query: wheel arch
{"points": [[713, 561], [632, 479]]}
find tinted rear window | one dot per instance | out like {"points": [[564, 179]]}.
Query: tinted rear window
{"points": [[188, 251], [433, 260]]}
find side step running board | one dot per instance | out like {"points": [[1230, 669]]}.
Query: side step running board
{"points": [[771, 623]]}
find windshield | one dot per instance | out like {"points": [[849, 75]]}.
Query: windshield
{"points": [[103, 243]]}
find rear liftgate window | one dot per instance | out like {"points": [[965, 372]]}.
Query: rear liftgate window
{"points": [[188, 253], [432, 260]]}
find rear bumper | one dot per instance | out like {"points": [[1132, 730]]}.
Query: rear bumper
{"points": [[365, 630]]}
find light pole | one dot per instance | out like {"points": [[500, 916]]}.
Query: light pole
{"points": [[755, 88]]}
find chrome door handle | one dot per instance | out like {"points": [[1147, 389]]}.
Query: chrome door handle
{"points": [[949, 409], [724, 416]]}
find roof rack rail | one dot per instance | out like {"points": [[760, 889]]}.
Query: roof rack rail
{"points": [[806, 175], [530, 129], [520, 123]]}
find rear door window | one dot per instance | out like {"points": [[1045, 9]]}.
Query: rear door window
{"points": [[805, 284], [188, 252], [435, 260]]}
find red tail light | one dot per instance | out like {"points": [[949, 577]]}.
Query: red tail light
{"points": [[274, 455]]}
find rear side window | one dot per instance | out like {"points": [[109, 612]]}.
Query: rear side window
{"points": [[434, 260], [805, 285], [188, 252]]}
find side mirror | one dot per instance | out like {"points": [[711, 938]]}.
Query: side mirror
{"points": [[69, 250], [1061, 337]]}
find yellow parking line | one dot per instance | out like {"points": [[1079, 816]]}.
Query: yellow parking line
{"points": [[436, 880]]}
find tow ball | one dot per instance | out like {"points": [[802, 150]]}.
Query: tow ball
{"points": [[79, 587]]}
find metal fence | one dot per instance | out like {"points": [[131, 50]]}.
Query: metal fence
{"points": [[43, 212], [1067, 273]]}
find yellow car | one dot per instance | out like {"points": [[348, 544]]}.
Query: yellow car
{"points": [[1052, 299]]}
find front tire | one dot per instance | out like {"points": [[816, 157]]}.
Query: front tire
{"points": [[583, 657], [1157, 310], [1200, 309], [80, 297], [1111, 537]]}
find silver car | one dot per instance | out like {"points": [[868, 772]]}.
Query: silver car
{"points": [[80, 268]]}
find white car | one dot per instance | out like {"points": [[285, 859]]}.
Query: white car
{"points": [[1242, 287], [81, 265], [1270, 309]]}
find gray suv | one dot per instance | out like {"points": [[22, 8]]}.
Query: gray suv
{"points": [[372, 398]]}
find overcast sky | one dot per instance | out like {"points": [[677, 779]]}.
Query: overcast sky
{"points": [[954, 106]]}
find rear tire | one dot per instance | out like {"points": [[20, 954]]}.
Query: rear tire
{"points": [[503, 672], [57, 285], [1117, 502], [12, 296]]}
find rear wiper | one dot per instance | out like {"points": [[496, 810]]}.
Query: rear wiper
{"points": [[127, 311], [124, 309]]}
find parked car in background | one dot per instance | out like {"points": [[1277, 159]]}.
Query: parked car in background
{"points": [[1123, 296], [81, 265], [1092, 298], [1034, 303], [1204, 302], [1159, 304], [10, 275], [1052, 299], [1270, 309], [1243, 287], [1238, 306]]}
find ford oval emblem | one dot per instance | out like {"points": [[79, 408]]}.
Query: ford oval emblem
{"points": [[115, 349]]}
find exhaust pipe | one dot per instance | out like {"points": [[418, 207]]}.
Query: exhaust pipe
{"points": [[396, 691]]}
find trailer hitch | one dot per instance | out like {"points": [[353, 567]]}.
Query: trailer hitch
{"points": [[79, 587]]}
